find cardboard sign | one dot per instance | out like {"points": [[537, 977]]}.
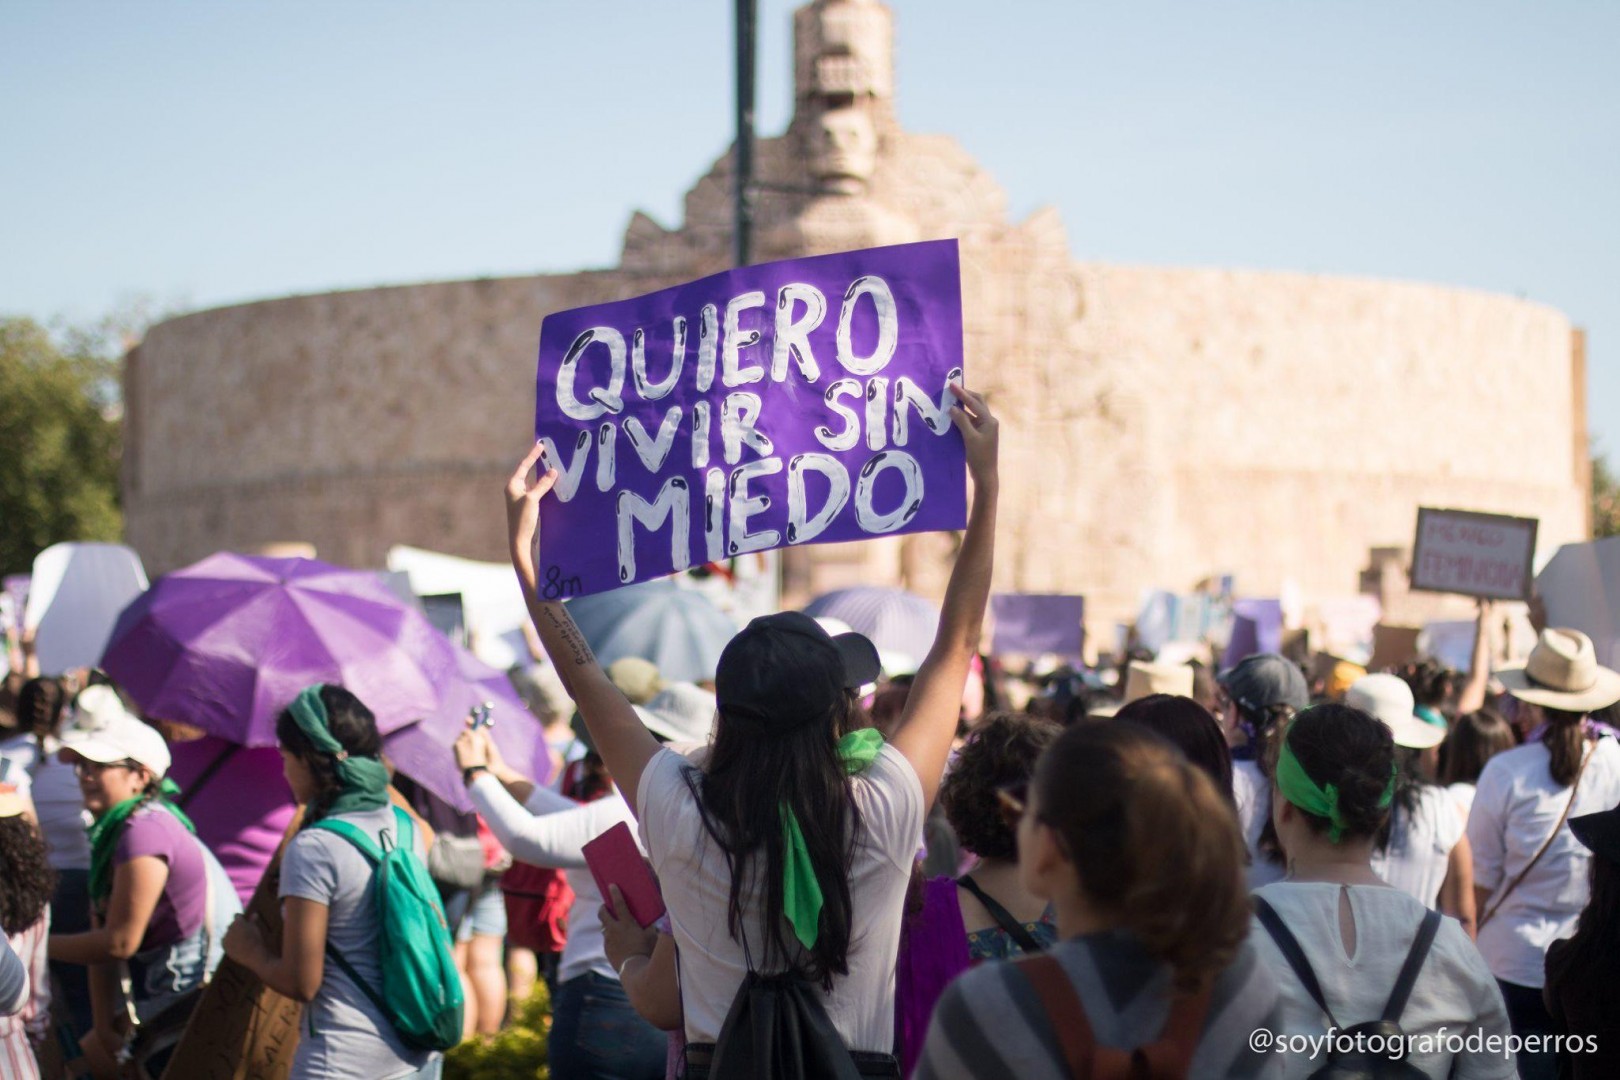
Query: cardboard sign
{"points": [[1474, 554], [242, 1029], [773, 405]]}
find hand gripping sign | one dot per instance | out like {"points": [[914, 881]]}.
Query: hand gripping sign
{"points": [[773, 405]]}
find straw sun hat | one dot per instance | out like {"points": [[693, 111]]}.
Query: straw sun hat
{"points": [[1563, 673]]}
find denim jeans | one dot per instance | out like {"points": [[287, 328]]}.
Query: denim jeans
{"points": [[70, 914], [597, 1035]]}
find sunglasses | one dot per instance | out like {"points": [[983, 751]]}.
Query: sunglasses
{"points": [[1011, 801]]}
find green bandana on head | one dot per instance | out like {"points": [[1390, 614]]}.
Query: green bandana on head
{"points": [[1298, 788], [362, 780], [107, 829], [801, 892]]}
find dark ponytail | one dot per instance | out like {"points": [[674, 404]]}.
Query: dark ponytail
{"points": [[1566, 744]]}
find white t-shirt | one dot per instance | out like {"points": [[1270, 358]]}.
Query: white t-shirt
{"points": [[552, 830], [1462, 794], [1454, 989], [1420, 845], [691, 869], [1516, 805], [1252, 793], [54, 788]]}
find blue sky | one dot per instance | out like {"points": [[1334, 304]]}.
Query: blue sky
{"points": [[204, 153]]}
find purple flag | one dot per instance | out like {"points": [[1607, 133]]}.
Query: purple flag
{"points": [[787, 403]]}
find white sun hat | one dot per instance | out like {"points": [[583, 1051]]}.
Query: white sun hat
{"points": [[1389, 700]]}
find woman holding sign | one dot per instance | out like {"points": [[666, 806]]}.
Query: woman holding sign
{"points": [[801, 831]]}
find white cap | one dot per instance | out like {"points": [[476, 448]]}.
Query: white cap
{"points": [[1388, 699], [104, 731]]}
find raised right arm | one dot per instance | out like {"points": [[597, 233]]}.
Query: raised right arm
{"points": [[927, 725]]}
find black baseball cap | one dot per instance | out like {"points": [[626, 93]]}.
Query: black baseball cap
{"points": [[784, 670]]}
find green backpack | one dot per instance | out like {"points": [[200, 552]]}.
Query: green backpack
{"points": [[421, 991]]}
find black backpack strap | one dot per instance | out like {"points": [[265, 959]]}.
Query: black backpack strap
{"points": [[1289, 946], [354, 977], [1004, 919], [1414, 963], [206, 775]]}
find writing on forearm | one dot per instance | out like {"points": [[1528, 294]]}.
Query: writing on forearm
{"points": [[573, 641]]}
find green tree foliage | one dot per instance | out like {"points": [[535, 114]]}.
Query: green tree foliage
{"points": [[1605, 498], [59, 440], [517, 1053]]}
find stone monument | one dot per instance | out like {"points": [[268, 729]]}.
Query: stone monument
{"points": [[1160, 425]]}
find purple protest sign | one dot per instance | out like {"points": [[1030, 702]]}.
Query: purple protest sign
{"points": [[782, 404]]}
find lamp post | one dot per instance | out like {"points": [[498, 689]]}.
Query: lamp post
{"points": [[743, 170]]}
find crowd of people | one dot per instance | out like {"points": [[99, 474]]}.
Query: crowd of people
{"points": [[1382, 873]]}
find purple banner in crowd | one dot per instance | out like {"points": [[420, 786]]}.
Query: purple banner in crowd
{"points": [[804, 401], [1038, 624]]}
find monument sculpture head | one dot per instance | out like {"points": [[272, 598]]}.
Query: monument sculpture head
{"points": [[843, 149]]}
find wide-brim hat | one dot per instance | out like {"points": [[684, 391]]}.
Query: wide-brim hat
{"points": [[1143, 679], [1600, 832], [1563, 673], [683, 713], [104, 731], [1388, 699]]}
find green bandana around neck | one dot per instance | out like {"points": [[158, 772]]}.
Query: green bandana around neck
{"points": [[1298, 788], [106, 830], [362, 780], [801, 892]]}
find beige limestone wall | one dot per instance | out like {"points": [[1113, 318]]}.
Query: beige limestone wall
{"points": [[354, 420], [1162, 425]]}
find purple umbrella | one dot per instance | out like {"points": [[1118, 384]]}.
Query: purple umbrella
{"points": [[423, 751], [226, 643]]}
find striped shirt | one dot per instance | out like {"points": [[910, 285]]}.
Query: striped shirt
{"points": [[991, 1023], [32, 1020]]}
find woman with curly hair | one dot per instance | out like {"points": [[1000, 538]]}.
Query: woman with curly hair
{"points": [[26, 881], [1142, 859], [986, 914]]}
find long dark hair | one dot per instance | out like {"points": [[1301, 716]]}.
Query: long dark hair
{"points": [[1566, 744], [40, 705], [1472, 741], [751, 774], [26, 877], [1409, 785], [1595, 945], [355, 729]]}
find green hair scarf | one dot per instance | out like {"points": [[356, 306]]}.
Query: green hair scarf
{"points": [[801, 893], [1298, 788], [362, 779]]}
